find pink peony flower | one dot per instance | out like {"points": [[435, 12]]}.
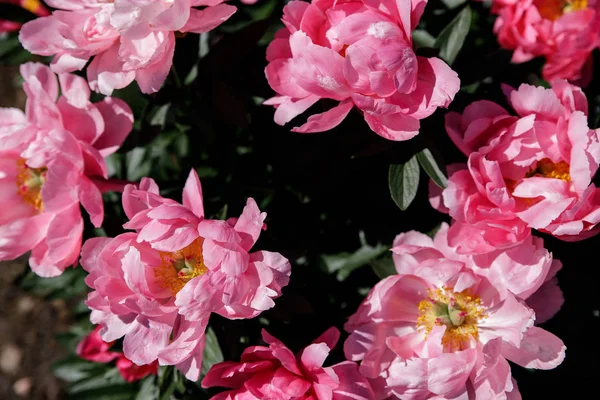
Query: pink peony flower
{"points": [[33, 6], [359, 53], [158, 285], [275, 373], [565, 32], [93, 348], [530, 171], [51, 161], [129, 39], [445, 326]]}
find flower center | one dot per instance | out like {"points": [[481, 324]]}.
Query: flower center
{"points": [[181, 266], [459, 312], [547, 169], [30, 182], [553, 9]]}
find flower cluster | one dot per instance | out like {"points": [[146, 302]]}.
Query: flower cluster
{"points": [[460, 305], [565, 32], [128, 39]]}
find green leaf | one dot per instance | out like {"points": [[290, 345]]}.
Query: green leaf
{"points": [[73, 369], [403, 180], [148, 389], [452, 37], [422, 38], [65, 286], [212, 352], [384, 267], [344, 263], [432, 168], [453, 3], [137, 164]]}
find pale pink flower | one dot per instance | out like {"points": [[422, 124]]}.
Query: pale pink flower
{"points": [[51, 162], [446, 324], [565, 32], [528, 171], [274, 372], [359, 53], [158, 285], [128, 39]]}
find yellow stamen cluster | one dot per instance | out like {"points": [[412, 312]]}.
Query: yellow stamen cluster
{"points": [[29, 184], [553, 9], [547, 169], [181, 266], [460, 312]]}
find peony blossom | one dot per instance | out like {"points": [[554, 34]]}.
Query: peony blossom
{"points": [[528, 171], [274, 372], [128, 39], [565, 32], [51, 162], [33, 6], [446, 324], [158, 285], [93, 348], [359, 53]]}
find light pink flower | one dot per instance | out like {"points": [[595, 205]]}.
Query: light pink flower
{"points": [[565, 32], [528, 171], [51, 161], [274, 372], [359, 53], [129, 39], [446, 324], [158, 285]]}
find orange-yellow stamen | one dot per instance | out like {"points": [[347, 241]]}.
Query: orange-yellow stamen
{"points": [[553, 9], [460, 312], [548, 169], [181, 266], [29, 183]]}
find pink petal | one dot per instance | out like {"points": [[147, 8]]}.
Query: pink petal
{"points": [[327, 120]]}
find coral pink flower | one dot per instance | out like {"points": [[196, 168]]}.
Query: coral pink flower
{"points": [[129, 39], [93, 348], [565, 32], [446, 324], [274, 372], [359, 53], [33, 6], [51, 161], [530, 171], [157, 286]]}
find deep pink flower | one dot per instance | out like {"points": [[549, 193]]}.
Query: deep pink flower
{"points": [[51, 161], [359, 53], [132, 372], [445, 325], [33, 6], [129, 39], [528, 171], [158, 285], [274, 372], [93, 348], [565, 32]]}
